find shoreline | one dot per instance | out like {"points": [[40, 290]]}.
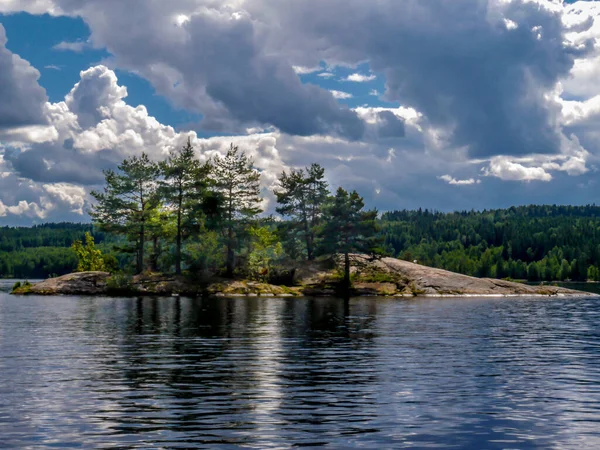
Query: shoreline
{"points": [[371, 277]]}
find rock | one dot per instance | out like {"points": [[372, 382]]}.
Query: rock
{"points": [[81, 283], [410, 278]]}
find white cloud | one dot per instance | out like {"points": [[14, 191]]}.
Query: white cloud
{"points": [[340, 95], [30, 209], [30, 6], [360, 78], [71, 195], [456, 116], [301, 70], [76, 46], [505, 169], [450, 180]]}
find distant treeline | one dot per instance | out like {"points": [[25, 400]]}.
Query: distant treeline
{"points": [[538, 243], [42, 250]]}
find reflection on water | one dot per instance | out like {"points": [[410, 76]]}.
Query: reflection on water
{"points": [[277, 373]]}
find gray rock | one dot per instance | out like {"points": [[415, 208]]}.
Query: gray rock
{"points": [[81, 283]]}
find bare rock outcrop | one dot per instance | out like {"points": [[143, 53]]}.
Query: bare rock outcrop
{"points": [[80, 283], [394, 277]]}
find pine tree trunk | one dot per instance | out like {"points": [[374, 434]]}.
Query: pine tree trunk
{"points": [[140, 261], [230, 254], [178, 244], [154, 263], [346, 272], [309, 245]]}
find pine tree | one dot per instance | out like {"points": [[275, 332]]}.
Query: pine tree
{"points": [[237, 183], [302, 196], [348, 228], [127, 201], [182, 188]]}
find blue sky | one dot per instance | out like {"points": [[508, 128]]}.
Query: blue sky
{"points": [[458, 105]]}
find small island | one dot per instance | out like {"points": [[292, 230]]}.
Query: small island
{"points": [[371, 276]]}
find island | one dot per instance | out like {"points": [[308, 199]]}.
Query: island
{"points": [[371, 276]]}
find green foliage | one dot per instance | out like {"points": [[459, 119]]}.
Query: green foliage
{"points": [[301, 197], [538, 243], [161, 228], [21, 288], [89, 258], [237, 184], [205, 255], [266, 249], [111, 263], [128, 199], [347, 228], [37, 262], [184, 188], [119, 282]]}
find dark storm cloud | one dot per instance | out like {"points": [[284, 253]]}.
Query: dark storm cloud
{"points": [[22, 99], [55, 163], [480, 70], [390, 125]]}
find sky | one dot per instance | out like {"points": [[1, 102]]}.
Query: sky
{"points": [[446, 105]]}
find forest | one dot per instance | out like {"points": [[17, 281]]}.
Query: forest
{"points": [[186, 217], [535, 243]]}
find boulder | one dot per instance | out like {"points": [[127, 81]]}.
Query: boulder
{"points": [[80, 283]]}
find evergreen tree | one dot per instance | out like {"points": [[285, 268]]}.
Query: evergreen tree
{"points": [[128, 199], [347, 228], [302, 196], [183, 185], [237, 183]]}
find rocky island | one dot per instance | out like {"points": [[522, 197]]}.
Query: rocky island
{"points": [[388, 277]]}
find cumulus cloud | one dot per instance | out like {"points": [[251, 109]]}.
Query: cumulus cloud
{"points": [[451, 180], [211, 58], [504, 86], [23, 201], [76, 46], [93, 130], [22, 99], [30, 6], [326, 75], [458, 64], [341, 95], [301, 70], [505, 169], [360, 78], [479, 71]]}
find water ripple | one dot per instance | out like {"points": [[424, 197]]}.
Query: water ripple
{"points": [[281, 373]]}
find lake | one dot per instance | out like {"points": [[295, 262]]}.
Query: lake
{"points": [[79, 372]]}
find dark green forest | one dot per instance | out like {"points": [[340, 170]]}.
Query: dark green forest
{"points": [[41, 251], [538, 243]]}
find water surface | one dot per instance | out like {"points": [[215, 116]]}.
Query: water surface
{"points": [[82, 372]]}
